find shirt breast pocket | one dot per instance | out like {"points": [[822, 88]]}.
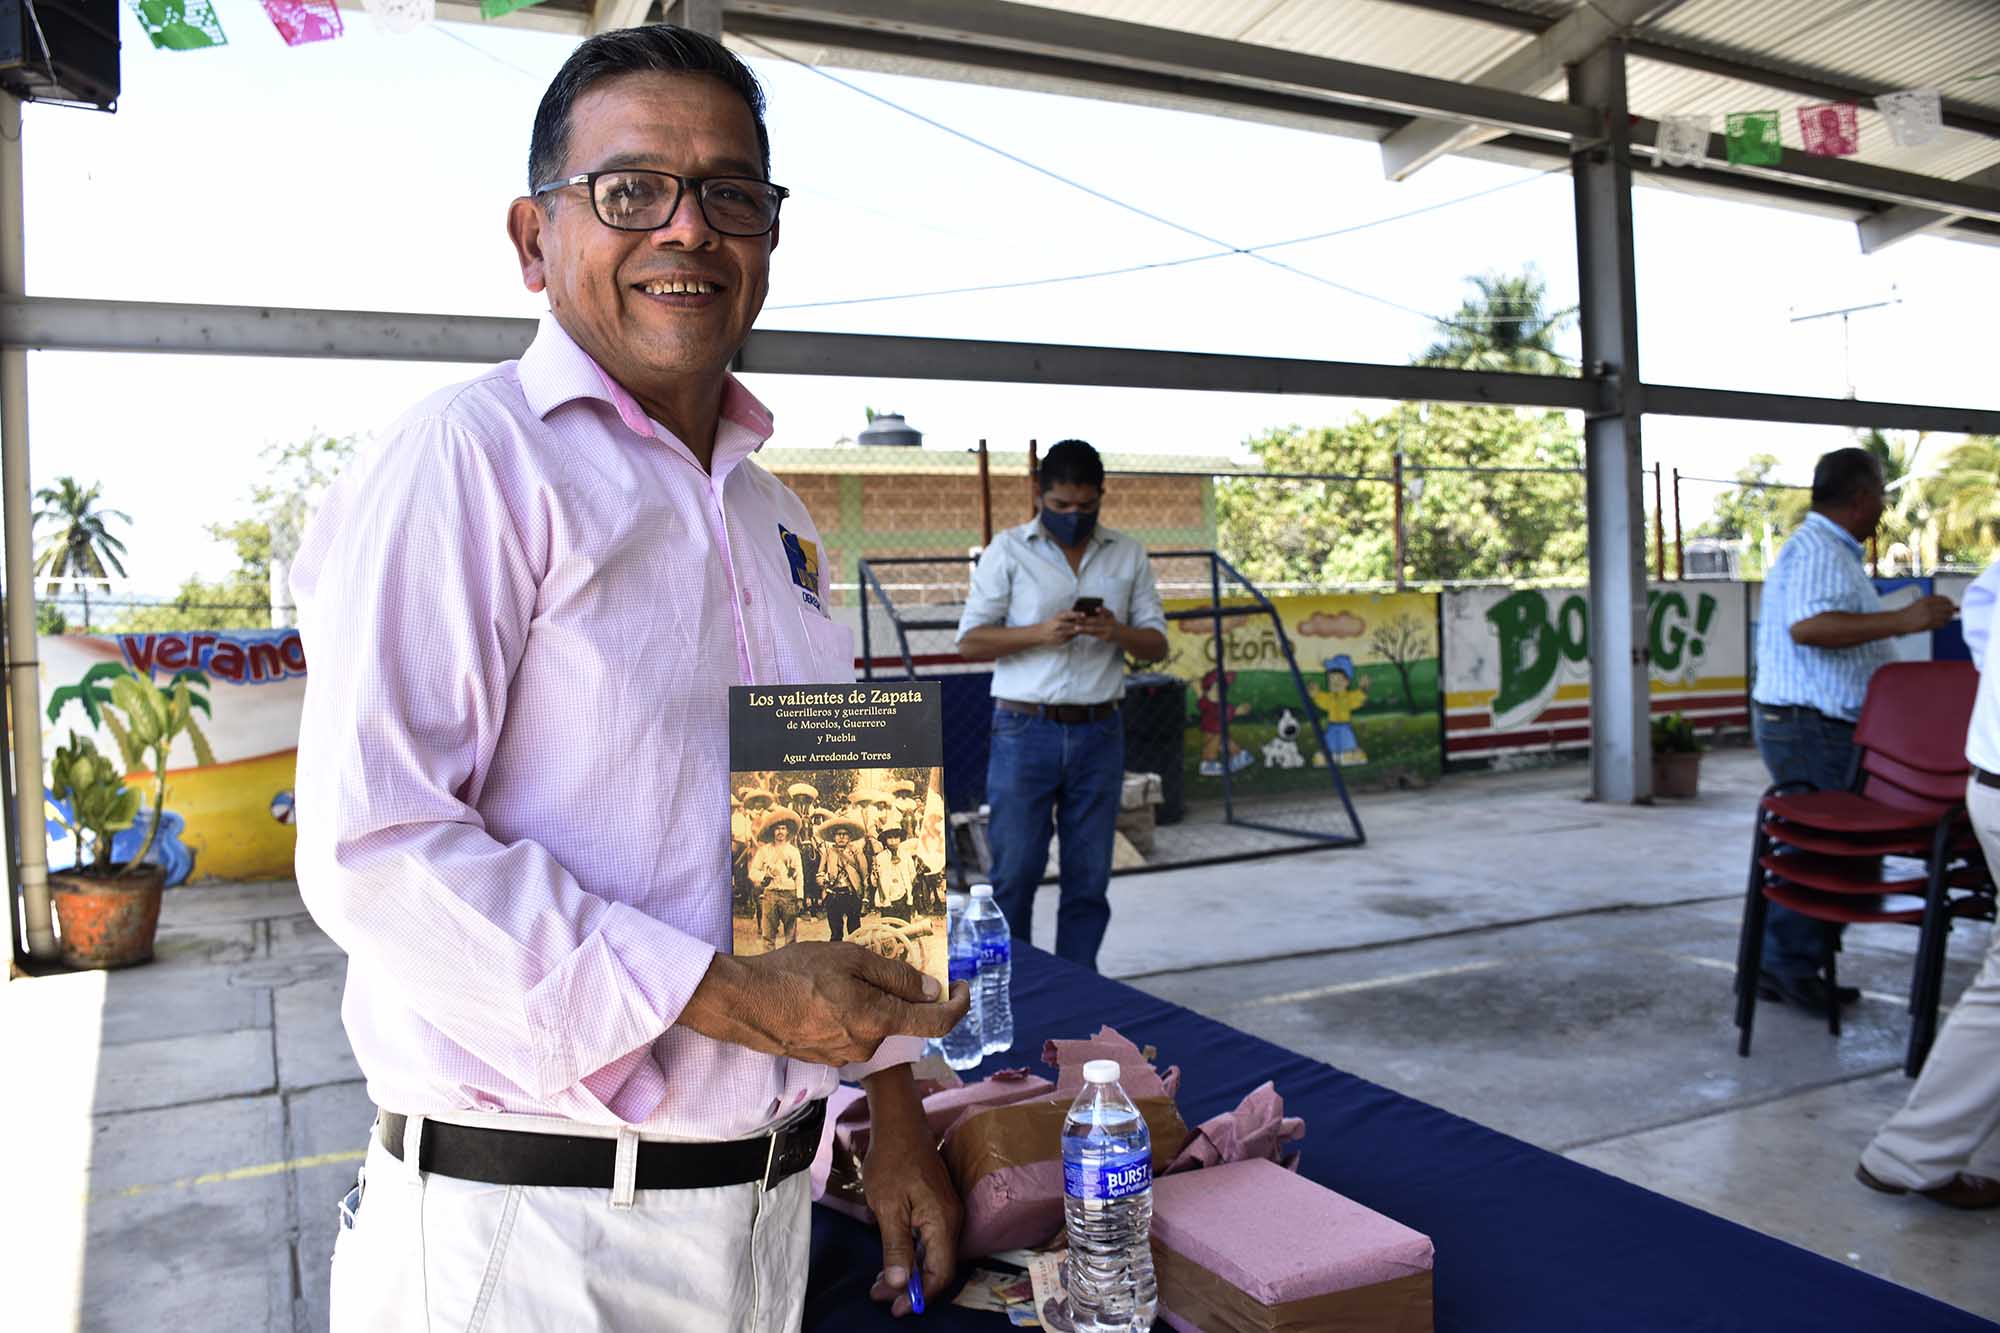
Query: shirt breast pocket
{"points": [[829, 648]]}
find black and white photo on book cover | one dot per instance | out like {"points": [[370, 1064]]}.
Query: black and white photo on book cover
{"points": [[837, 818]]}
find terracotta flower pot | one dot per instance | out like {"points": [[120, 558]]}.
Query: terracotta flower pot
{"points": [[108, 921], [1677, 775]]}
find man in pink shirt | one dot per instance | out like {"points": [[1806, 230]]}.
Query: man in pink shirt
{"points": [[525, 604]]}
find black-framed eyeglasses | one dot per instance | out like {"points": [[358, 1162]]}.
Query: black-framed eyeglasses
{"points": [[632, 199]]}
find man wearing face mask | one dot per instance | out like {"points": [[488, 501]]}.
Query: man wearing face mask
{"points": [[1057, 604]]}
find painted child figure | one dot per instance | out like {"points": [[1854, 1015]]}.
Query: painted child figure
{"points": [[1212, 684], [1337, 702]]}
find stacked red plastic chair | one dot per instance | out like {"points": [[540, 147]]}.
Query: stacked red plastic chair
{"points": [[1820, 853]]}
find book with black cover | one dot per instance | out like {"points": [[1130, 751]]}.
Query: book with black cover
{"points": [[837, 818]]}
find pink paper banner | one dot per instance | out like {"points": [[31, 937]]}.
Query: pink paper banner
{"points": [[1830, 129], [302, 21]]}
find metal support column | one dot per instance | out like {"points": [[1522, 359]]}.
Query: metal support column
{"points": [[1620, 730], [24, 692]]}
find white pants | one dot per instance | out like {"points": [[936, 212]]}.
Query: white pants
{"points": [[1947, 1126], [430, 1254]]}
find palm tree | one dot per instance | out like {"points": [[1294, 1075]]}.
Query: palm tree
{"points": [[81, 546], [1505, 324], [1964, 495]]}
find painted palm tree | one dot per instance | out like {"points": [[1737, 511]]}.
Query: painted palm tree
{"points": [[80, 547], [1504, 324]]}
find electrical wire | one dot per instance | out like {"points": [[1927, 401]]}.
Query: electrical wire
{"points": [[1226, 248], [1190, 259]]}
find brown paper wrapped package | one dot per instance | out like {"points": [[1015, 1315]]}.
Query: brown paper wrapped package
{"points": [[1007, 1162]]}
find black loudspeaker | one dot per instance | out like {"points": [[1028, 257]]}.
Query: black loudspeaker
{"points": [[60, 51]]}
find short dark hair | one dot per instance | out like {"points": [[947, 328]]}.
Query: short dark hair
{"points": [[1070, 462], [1843, 476], [659, 48]]}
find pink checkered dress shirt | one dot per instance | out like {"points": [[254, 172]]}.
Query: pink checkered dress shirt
{"points": [[523, 606]]}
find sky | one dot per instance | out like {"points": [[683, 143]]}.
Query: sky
{"points": [[374, 172]]}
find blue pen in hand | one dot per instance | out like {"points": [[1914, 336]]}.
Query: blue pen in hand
{"points": [[917, 1280]]}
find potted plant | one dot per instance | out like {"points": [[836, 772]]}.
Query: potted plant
{"points": [[1676, 757], [108, 910]]}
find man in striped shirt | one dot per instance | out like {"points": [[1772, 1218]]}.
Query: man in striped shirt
{"points": [[1821, 635]]}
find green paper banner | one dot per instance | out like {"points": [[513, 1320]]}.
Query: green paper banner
{"points": [[1753, 138], [180, 25], [493, 9]]}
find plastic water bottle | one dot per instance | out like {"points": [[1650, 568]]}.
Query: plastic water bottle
{"points": [[1108, 1207], [996, 969], [964, 1046]]}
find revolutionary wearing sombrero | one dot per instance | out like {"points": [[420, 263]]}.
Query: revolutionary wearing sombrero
{"points": [[775, 818], [889, 831], [805, 789], [838, 822]]}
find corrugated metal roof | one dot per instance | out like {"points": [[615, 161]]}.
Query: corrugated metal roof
{"points": [[1887, 44], [1869, 45]]}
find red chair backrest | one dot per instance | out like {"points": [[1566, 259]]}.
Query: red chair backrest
{"points": [[1912, 734]]}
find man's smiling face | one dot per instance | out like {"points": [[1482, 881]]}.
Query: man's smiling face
{"points": [[653, 307]]}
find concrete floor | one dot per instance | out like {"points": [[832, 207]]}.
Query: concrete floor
{"points": [[1553, 968]]}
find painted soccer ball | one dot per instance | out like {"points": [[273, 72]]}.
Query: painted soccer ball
{"points": [[281, 807]]}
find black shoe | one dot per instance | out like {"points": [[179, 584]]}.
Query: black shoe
{"points": [[1807, 992]]}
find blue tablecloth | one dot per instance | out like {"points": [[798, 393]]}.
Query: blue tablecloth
{"points": [[1525, 1240]]}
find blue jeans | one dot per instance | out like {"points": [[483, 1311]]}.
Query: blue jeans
{"points": [[1799, 745], [1058, 777]]}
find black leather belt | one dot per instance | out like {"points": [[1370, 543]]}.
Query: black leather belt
{"points": [[1069, 714], [1985, 779], [522, 1157]]}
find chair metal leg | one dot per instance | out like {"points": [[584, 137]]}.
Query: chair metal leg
{"points": [[1832, 972], [1927, 986], [1750, 945]]}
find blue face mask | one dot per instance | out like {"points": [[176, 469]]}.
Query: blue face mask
{"points": [[1071, 529]]}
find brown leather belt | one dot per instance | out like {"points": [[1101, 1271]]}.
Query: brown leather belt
{"points": [[1985, 779], [523, 1157], [1069, 714]]}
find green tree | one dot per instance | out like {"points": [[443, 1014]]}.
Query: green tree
{"points": [[79, 546], [1504, 324], [1758, 511], [299, 473], [49, 619], [1964, 501], [1458, 525]]}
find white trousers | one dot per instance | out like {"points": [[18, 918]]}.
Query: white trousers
{"points": [[430, 1254], [1947, 1126]]}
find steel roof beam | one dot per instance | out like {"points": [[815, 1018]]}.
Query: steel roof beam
{"points": [[1849, 176], [1884, 229], [610, 15], [1534, 69], [59, 324]]}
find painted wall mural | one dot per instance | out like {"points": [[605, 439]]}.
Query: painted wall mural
{"points": [[1369, 662], [231, 819], [1517, 664]]}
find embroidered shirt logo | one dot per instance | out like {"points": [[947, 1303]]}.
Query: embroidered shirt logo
{"points": [[804, 559]]}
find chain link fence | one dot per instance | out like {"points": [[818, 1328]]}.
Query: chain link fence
{"points": [[1221, 764]]}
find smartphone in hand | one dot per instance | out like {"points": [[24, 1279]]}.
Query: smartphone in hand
{"points": [[1088, 606]]}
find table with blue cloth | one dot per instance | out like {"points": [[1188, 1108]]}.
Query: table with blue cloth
{"points": [[1525, 1239]]}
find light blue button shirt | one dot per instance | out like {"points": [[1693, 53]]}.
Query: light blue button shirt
{"points": [[1023, 578], [1822, 568]]}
